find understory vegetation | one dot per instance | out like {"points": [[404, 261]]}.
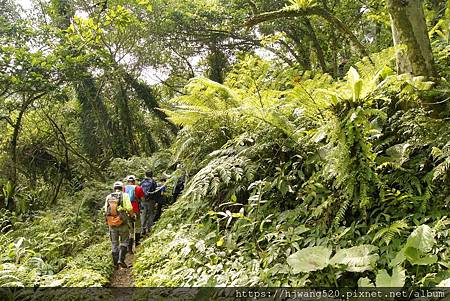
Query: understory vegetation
{"points": [[313, 138], [65, 246], [307, 181]]}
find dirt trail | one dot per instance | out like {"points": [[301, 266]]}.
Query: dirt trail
{"points": [[123, 278]]}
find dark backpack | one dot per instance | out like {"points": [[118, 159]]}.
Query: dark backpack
{"points": [[158, 195], [179, 186], [148, 187]]}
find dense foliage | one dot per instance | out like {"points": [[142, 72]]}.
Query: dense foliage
{"points": [[306, 181], [310, 159], [65, 246]]}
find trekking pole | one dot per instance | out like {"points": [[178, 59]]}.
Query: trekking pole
{"points": [[134, 237]]}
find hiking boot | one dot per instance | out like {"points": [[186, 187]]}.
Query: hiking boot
{"points": [[123, 265], [138, 238], [115, 257], [130, 246], [122, 255]]}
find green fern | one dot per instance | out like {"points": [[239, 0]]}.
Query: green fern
{"points": [[442, 170], [388, 233], [340, 214]]}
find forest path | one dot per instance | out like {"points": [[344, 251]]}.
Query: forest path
{"points": [[124, 279]]}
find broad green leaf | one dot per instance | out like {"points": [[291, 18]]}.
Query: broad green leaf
{"points": [[309, 259], [355, 83], [365, 282], [421, 238], [353, 75], [396, 280], [357, 259], [399, 258], [399, 153], [417, 257], [357, 88], [444, 283], [233, 198]]}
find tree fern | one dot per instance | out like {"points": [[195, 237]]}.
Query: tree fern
{"points": [[219, 173]]}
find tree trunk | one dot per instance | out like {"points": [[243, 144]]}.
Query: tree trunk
{"points": [[68, 148], [146, 93], [217, 63], [13, 145], [16, 132], [126, 121], [310, 11], [315, 41], [95, 120], [334, 55], [439, 9], [409, 29]]}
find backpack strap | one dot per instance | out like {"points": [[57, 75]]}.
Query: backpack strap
{"points": [[120, 198]]}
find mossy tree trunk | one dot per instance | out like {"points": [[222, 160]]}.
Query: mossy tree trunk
{"points": [[409, 29], [95, 119], [217, 63]]}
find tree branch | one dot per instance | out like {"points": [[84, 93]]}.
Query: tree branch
{"points": [[310, 11], [62, 139], [319, 51]]}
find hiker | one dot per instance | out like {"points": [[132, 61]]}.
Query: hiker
{"points": [[136, 197], [178, 188], [134, 191], [118, 211], [148, 186], [159, 198]]}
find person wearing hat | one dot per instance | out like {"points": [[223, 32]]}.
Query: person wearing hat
{"points": [[136, 197], [135, 192], [118, 210]]}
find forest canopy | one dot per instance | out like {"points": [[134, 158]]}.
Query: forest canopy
{"points": [[313, 135]]}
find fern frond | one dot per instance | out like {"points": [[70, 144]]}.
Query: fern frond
{"points": [[387, 234], [442, 170], [341, 212]]}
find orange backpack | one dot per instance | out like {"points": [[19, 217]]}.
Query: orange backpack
{"points": [[113, 216]]}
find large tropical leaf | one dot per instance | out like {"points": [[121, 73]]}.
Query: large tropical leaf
{"points": [[365, 282], [399, 258], [397, 279], [355, 82], [419, 243], [357, 259], [422, 238], [444, 283], [417, 257], [309, 259]]}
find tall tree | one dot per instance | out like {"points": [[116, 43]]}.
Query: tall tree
{"points": [[409, 29], [95, 135], [26, 76]]}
